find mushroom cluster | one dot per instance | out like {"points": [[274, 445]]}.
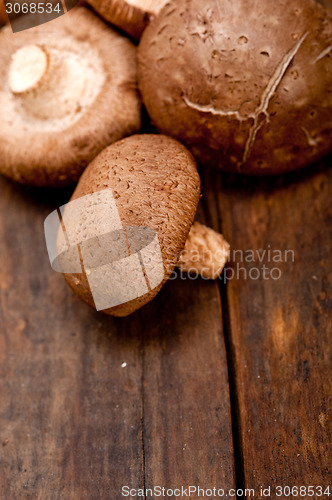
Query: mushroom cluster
{"points": [[244, 87]]}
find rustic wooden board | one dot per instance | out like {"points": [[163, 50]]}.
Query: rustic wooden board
{"points": [[186, 402], [70, 412], [279, 331], [75, 422]]}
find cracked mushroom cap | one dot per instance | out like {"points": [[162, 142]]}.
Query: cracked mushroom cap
{"points": [[65, 94], [245, 85], [150, 187], [132, 16]]}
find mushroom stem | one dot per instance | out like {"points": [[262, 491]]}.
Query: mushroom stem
{"points": [[206, 252], [28, 68], [36, 76], [50, 83]]}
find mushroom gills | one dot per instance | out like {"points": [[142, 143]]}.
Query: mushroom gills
{"points": [[54, 83], [65, 95], [150, 6], [132, 16]]}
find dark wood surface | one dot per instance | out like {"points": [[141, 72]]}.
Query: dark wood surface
{"points": [[279, 330], [76, 423]]}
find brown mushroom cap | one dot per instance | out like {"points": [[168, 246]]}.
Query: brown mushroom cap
{"points": [[132, 16], [246, 85], [327, 4], [155, 184], [65, 94]]}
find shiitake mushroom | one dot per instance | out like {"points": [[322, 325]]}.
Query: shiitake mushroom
{"points": [[246, 85], [133, 209], [65, 94]]}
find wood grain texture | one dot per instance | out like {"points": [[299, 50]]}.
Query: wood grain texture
{"points": [[74, 423], [187, 430], [279, 330], [70, 413]]}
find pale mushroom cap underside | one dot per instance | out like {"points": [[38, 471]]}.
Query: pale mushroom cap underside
{"points": [[65, 94], [52, 84], [149, 6]]}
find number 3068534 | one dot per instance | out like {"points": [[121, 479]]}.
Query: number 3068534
{"points": [[303, 491], [33, 8]]}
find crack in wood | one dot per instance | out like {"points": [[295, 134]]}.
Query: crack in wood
{"points": [[142, 416]]}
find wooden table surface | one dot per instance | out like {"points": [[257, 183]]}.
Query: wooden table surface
{"points": [[211, 384]]}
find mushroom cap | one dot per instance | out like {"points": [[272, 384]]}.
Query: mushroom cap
{"points": [[65, 94], [327, 4], [132, 16], [245, 85], [155, 185]]}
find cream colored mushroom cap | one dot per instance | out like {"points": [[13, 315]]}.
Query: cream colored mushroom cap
{"points": [[65, 94]]}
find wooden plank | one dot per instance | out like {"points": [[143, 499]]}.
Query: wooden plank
{"points": [[187, 428], [70, 415], [280, 329], [74, 423]]}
